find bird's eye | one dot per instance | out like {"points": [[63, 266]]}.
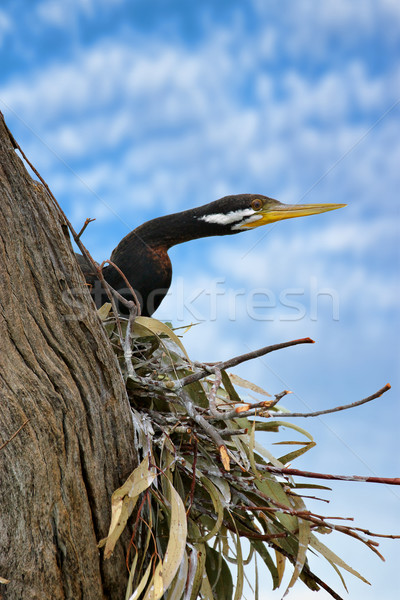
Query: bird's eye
{"points": [[256, 204]]}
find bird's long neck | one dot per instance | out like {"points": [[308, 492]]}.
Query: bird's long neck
{"points": [[177, 228], [142, 254], [150, 242]]}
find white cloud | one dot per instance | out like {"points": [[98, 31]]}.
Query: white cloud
{"points": [[6, 26], [151, 113], [58, 14], [315, 28]]}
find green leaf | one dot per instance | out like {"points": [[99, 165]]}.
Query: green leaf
{"points": [[219, 575], [215, 495], [168, 567], [303, 537], [198, 560], [261, 549], [148, 324], [232, 393], [332, 557], [243, 383], [239, 563], [296, 453], [292, 426]]}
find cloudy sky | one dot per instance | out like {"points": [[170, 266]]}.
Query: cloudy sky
{"points": [[131, 110]]}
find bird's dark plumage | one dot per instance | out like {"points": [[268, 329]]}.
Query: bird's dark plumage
{"points": [[142, 255]]}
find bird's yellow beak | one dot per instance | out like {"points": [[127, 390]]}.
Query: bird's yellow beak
{"points": [[278, 212]]}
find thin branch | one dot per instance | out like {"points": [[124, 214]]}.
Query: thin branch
{"points": [[264, 412], [213, 392], [279, 397], [237, 360], [193, 482], [14, 434], [86, 223], [127, 345], [126, 302], [380, 535], [85, 252], [312, 475], [338, 408], [200, 420]]}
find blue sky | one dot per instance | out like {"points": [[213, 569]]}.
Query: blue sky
{"points": [[136, 109]]}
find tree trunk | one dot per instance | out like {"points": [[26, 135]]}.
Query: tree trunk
{"points": [[57, 370]]}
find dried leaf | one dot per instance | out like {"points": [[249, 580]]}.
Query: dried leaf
{"points": [[296, 453], [242, 408], [104, 311], [123, 502], [224, 457], [131, 576], [280, 565], [142, 583], [243, 383], [178, 585]]}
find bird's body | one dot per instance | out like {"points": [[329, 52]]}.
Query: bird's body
{"points": [[142, 255]]}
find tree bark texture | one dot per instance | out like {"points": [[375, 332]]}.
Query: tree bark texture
{"points": [[57, 369]]}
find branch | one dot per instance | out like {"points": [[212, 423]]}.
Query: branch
{"points": [[86, 223], [237, 360], [298, 473], [14, 434], [338, 408], [76, 236], [127, 303], [253, 409]]}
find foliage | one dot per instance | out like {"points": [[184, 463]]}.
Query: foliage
{"points": [[204, 491]]}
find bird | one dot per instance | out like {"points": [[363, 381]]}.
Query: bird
{"points": [[142, 255]]}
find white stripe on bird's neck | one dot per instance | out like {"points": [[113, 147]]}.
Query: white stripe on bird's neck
{"points": [[236, 218]]}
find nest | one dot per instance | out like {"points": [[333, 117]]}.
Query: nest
{"points": [[206, 494]]}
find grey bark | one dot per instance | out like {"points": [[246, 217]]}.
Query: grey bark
{"points": [[57, 369]]}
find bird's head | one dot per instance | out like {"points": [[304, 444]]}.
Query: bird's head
{"points": [[248, 211]]}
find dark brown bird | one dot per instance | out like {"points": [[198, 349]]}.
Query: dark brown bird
{"points": [[142, 255]]}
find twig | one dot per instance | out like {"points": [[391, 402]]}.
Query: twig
{"points": [[193, 482], [381, 535], [86, 223], [312, 475], [14, 434], [82, 248], [254, 409], [126, 302], [127, 346], [237, 360], [213, 392], [231, 432], [338, 408], [279, 397], [200, 420]]}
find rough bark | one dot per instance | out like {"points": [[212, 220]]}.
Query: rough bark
{"points": [[57, 369]]}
